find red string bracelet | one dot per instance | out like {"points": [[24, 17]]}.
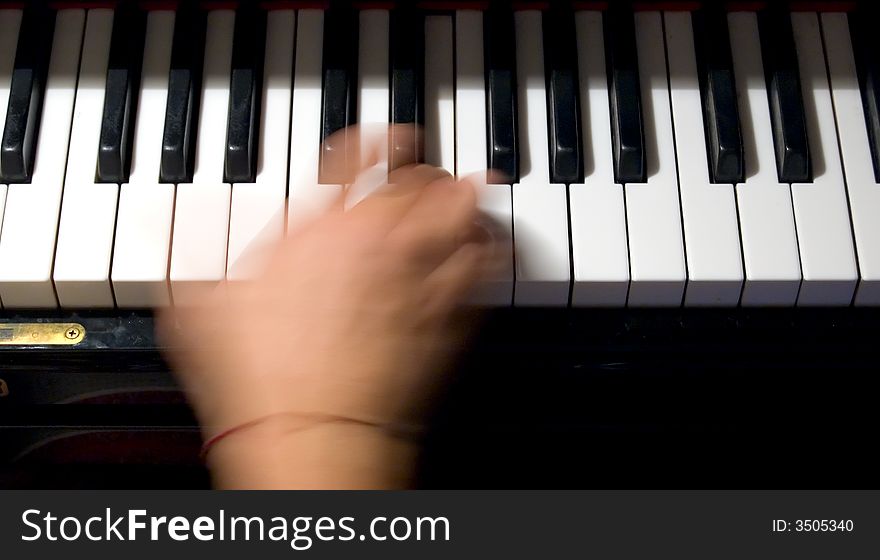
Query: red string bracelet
{"points": [[311, 419], [213, 440]]}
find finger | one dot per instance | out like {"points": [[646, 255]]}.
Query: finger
{"points": [[492, 177], [337, 162], [368, 182], [438, 223], [404, 145], [384, 208], [349, 151], [415, 176], [308, 211], [488, 177], [450, 283]]}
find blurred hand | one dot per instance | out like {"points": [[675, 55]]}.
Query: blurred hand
{"points": [[353, 315]]}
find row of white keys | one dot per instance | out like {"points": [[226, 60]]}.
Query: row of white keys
{"points": [[862, 188], [257, 211], [146, 206], [598, 217], [439, 93], [820, 208], [767, 229], [10, 22], [201, 215], [653, 212], [493, 201], [711, 230], [27, 242], [540, 209], [307, 198]]}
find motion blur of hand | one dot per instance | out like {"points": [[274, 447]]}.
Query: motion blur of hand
{"points": [[340, 339]]}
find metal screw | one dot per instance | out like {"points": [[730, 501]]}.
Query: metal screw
{"points": [[72, 333]]}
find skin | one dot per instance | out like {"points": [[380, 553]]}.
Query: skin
{"points": [[331, 353]]}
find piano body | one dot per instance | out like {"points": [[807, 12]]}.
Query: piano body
{"points": [[692, 197]]}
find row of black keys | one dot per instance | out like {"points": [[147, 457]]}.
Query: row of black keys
{"points": [[719, 98], [723, 135]]}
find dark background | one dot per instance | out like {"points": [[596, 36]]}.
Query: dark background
{"points": [[543, 398]]}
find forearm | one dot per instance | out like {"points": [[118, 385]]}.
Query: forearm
{"points": [[283, 453]]}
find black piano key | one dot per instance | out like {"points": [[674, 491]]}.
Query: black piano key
{"points": [[785, 96], [121, 93], [563, 105], [866, 47], [184, 85], [242, 132], [720, 111], [339, 97], [21, 129], [407, 44], [625, 98], [501, 109]]}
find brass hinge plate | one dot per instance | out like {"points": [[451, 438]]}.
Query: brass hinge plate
{"points": [[41, 334]]}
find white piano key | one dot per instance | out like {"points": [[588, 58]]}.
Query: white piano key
{"points": [[540, 228], [373, 92], [496, 216], [470, 94], [146, 158], [88, 209], [201, 214], [656, 249], [596, 209], [532, 98], [711, 229], [863, 191], [373, 88], [820, 208], [257, 212], [439, 93], [493, 201], [373, 84], [767, 229], [50, 162], [27, 243], [306, 198], [540, 210], [146, 206]]}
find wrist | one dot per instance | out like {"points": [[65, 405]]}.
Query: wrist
{"points": [[295, 451]]}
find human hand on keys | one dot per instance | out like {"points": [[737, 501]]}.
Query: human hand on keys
{"points": [[344, 331]]}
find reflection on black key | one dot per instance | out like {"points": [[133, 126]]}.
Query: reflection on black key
{"points": [[184, 84], [21, 129], [500, 54], [625, 98], [339, 101], [407, 85], [866, 46], [563, 106], [720, 111], [242, 130], [121, 92], [785, 96]]}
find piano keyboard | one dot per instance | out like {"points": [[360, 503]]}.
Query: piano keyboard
{"points": [[653, 158]]}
